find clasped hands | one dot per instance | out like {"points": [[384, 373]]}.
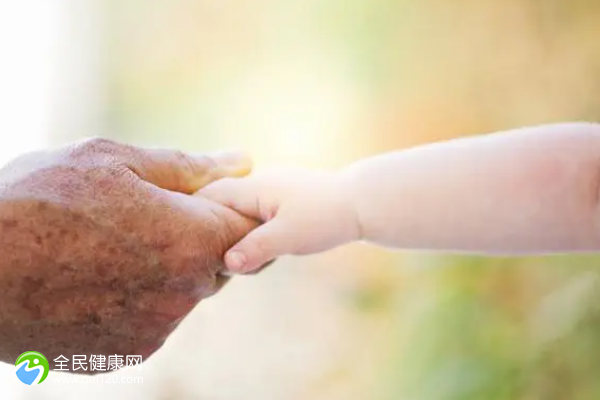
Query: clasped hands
{"points": [[105, 249]]}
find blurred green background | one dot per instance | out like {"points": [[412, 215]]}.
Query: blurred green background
{"points": [[324, 82], [321, 83]]}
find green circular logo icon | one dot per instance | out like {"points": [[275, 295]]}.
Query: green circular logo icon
{"points": [[32, 368]]}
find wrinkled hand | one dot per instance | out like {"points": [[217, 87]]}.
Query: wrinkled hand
{"points": [[103, 251]]}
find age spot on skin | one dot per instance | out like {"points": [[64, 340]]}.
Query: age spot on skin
{"points": [[31, 285], [94, 318], [9, 223]]}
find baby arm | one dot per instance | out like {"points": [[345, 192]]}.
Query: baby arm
{"points": [[533, 190]]}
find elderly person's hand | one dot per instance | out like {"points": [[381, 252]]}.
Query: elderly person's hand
{"points": [[103, 250]]}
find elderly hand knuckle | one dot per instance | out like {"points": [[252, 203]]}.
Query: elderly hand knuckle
{"points": [[93, 146], [99, 143], [182, 160]]}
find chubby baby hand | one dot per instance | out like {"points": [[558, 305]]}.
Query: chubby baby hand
{"points": [[302, 212]]}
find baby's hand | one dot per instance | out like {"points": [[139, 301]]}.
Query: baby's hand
{"points": [[303, 212]]}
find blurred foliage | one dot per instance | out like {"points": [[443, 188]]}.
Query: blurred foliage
{"points": [[500, 329], [201, 74]]}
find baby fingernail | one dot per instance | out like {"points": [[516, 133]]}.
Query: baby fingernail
{"points": [[235, 260]]}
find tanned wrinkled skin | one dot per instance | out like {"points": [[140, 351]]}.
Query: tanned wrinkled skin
{"points": [[96, 261]]}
